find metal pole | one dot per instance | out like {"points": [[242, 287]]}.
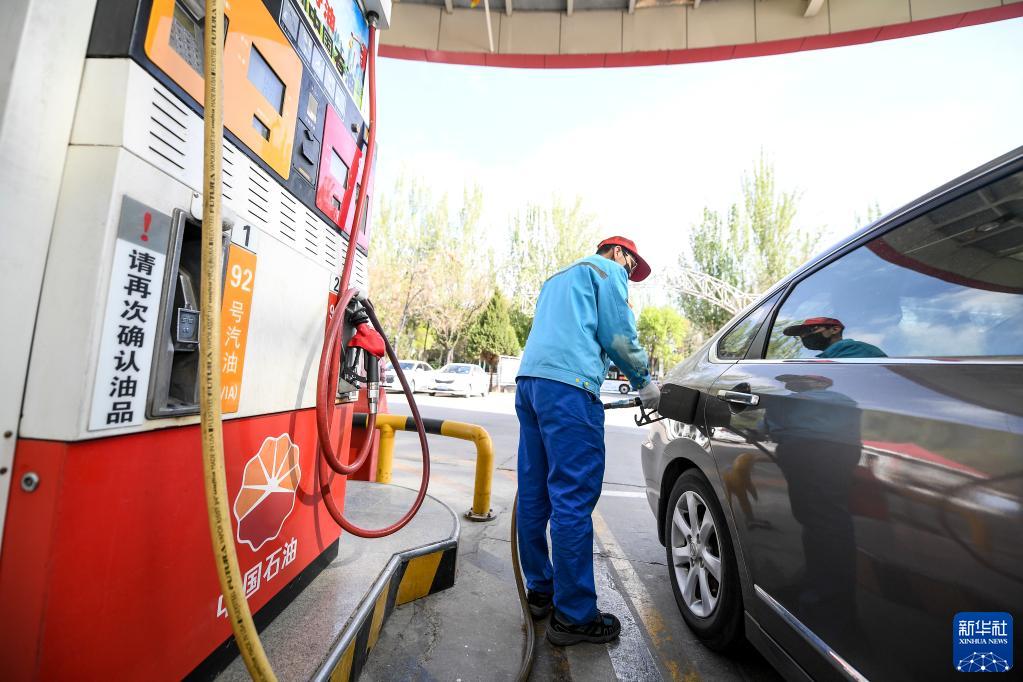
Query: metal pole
{"points": [[385, 456], [490, 31], [387, 424], [484, 466]]}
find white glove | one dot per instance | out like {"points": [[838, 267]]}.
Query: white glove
{"points": [[650, 395]]}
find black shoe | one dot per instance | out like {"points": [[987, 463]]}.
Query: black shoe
{"points": [[540, 604], [604, 628]]}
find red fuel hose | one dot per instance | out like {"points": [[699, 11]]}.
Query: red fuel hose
{"points": [[326, 377], [331, 353], [370, 157], [424, 481]]}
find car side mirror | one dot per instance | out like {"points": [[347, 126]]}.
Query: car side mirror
{"points": [[679, 403]]}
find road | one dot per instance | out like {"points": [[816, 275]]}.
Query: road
{"points": [[473, 631]]}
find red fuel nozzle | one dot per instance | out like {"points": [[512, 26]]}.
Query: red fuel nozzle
{"points": [[369, 340]]}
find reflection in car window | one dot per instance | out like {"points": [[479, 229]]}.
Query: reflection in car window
{"points": [[734, 344], [948, 284]]}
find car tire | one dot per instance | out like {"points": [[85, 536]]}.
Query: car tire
{"points": [[718, 624], [432, 393], [623, 389], [412, 386]]}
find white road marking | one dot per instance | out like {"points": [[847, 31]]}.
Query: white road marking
{"points": [[621, 493], [630, 656], [647, 608]]}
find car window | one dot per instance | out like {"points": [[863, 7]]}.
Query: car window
{"points": [[456, 369], [423, 366], [406, 366], [734, 344], [947, 284]]}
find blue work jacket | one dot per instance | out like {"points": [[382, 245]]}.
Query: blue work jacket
{"points": [[848, 348], [583, 322]]}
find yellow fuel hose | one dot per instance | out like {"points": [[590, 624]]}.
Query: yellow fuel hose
{"points": [[221, 532]]}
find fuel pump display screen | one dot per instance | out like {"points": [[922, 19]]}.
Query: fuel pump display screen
{"points": [[339, 169], [264, 78], [340, 29]]}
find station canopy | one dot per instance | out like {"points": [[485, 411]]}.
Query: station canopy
{"points": [[599, 33]]}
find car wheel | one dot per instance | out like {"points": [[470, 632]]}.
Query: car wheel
{"points": [[623, 389], [701, 563], [432, 393], [412, 385]]}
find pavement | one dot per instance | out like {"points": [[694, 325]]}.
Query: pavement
{"points": [[335, 614], [473, 631]]}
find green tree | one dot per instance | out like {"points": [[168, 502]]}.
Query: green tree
{"points": [[430, 272], [522, 323], [717, 249], [662, 332], [754, 246], [544, 239], [460, 276], [491, 334], [423, 341], [872, 213], [775, 245], [408, 231]]}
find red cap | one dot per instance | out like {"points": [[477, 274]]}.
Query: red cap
{"points": [[642, 270], [811, 322]]}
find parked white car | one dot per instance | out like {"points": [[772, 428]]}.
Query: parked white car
{"points": [[418, 374], [461, 378]]}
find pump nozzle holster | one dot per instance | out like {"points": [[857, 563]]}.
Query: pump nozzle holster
{"points": [[367, 343]]}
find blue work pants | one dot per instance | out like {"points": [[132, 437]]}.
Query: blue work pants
{"points": [[561, 467]]}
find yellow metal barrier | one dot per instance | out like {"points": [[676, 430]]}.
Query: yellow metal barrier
{"points": [[385, 458], [387, 424]]}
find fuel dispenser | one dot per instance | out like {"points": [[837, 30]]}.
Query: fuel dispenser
{"points": [[105, 562]]}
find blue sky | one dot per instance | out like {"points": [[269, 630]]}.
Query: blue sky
{"points": [[647, 148]]}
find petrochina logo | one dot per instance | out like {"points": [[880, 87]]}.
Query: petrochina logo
{"points": [[267, 495]]}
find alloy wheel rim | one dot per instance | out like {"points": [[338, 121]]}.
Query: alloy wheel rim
{"points": [[696, 554]]}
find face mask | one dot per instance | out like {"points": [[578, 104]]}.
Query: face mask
{"points": [[815, 341]]}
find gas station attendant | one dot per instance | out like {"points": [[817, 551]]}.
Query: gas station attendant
{"points": [[583, 322]]}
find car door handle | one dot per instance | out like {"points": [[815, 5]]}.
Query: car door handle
{"points": [[739, 397]]}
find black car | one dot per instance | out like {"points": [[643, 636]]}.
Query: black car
{"points": [[840, 476]]}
